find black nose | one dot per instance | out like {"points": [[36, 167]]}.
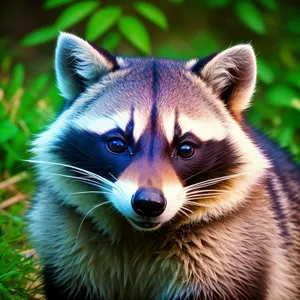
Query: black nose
{"points": [[148, 202]]}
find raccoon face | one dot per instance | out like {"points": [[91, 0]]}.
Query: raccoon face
{"points": [[160, 141]]}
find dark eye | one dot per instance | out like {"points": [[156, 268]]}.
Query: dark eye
{"points": [[186, 150], [116, 145]]}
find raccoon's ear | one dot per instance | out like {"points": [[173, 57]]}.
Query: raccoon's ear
{"points": [[232, 76], [78, 65]]}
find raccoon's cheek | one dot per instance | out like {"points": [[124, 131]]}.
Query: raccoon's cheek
{"points": [[175, 195], [121, 196]]}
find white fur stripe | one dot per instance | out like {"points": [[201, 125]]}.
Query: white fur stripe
{"points": [[205, 130], [101, 125], [168, 126]]}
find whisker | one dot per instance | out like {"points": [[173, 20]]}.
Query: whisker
{"points": [[85, 180], [81, 223], [197, 204], [181, 210], [217, 178], [76, 169], [187, 209], [114, 177], [79, 170], [200, 198], [207, 191], [195, 193], [203, 196], [211, 181], [92, 192], [193, 175]]}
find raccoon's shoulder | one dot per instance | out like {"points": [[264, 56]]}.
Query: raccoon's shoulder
{"points": [[283, 177], [279, 158]]}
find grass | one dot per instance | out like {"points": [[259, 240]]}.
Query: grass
{"points": [[19, 266]]}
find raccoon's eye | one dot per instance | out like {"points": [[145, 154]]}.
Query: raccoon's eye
{"points": [[116, 145], [186, 150]]}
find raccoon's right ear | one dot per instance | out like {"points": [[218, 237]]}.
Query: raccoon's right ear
{"points": [[78, 65]]}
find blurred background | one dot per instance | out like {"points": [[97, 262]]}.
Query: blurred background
{"points": [[175, 29]]}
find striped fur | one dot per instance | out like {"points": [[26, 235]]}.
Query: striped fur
{"points": [[230, 228]]}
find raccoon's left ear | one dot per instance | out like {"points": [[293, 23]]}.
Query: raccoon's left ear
{"points": [[232, 76], [78, 65]]}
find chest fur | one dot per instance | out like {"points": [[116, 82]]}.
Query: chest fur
{"points": [[173, 265]]}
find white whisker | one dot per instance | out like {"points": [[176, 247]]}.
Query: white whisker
{"points": [[197, 204], [187, 209], [78, 170], [85, 180], [92, 192], [195, 193], [182, 211], [210, 182], [114, 177], [207, 191], [200, 198], [81, 223]]}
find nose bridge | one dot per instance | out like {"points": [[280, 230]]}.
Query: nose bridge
{"points": [[150, 173]]}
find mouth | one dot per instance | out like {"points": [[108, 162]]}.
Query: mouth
{"points": [[145, 225]]}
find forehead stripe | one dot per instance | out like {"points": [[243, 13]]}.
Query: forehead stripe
{"points": [[153, 132], [154, 113]]}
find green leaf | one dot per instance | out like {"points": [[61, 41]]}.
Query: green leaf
{"points": [[18, 75], [5, 291], [111, 41], [293, 24], [38, 85], [281, 95], [2, 110], [75, 13], [217, 3], [265, 72], [286, 136], [296, 104], [152, 13], [135, 32], [207, 38], [293, 77], [101, 21], [250, 16], [40, 36], [55, 3], [11, 155], [176, 1], [270, 4], [7, 130]]}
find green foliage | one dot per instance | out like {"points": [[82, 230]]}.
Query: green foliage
{"points": [[152, 13], [75, 13], [19, 277], [40, 36], [250, 16], [55, 3], [134, 30], [100, 22], [23, 111]]}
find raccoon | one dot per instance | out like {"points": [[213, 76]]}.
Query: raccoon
{"points": [[152, 185]]}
